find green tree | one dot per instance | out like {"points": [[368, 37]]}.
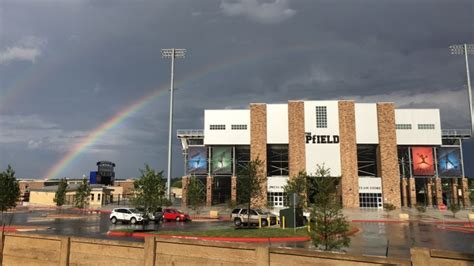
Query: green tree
{"points": [[82, 195], [177, 184], [249, 183], [297, 185], [454, 208], [60, 196], [389, 207], [149, 190], [9, 191], [196, 193], [329, 227]]}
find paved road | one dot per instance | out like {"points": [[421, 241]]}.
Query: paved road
{"points": [[371, 240]]}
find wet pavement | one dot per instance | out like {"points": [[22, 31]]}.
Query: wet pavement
{"points": [[373, 238]]}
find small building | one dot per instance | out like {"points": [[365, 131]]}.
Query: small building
{"points": [[100, 195]]}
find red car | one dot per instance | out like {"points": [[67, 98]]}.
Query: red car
{"points": [[170, 214]]}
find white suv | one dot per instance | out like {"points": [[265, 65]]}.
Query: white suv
{"points": [[130, 215]]}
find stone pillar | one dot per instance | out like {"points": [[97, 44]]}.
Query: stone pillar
{"points": [[439, 191], [387, 154], [348, 147], [465, 193], [454, 190], [258, 145], [429, 192], [184, 192], [404, 192], [209, 191], [412, 191], [296, 138], [233, 189]]}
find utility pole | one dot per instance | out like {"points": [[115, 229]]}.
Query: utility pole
{"points": [[466, 49], [171, 53]]}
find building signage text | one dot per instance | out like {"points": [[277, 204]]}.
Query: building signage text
{"points": [[321, 139]]}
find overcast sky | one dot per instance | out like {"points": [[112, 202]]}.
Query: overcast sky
{"points": [[67, 67]]}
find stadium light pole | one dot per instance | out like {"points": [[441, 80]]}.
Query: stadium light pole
{"points": [[171, 53], [466, 49]]}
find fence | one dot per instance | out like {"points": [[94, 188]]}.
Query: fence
{"points": [[22, 249]]}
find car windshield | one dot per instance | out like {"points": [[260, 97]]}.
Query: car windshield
{"points": [[180, 211], [134, 211]]}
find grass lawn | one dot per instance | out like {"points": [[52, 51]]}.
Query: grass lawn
{"points": [[231, 232], [240, 232]]}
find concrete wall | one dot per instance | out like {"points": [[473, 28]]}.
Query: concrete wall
{"points": [[277, 123], [415, 136], [227, 118], [34, 249], [323, 153], [366, 123]]}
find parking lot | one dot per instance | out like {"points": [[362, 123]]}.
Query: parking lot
{"points": [[372, 239]]}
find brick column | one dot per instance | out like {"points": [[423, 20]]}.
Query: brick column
{"points": [[348, 147], [404, 192], [184, 192], [439, 191], [296, 138], [429, 192], [465, 193], [387, 153], [454, 190], [209, 191], [233, 189], [412, 192], [258, 145]]}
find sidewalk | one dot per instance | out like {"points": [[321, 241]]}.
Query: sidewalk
{"points": [[431, 215]]}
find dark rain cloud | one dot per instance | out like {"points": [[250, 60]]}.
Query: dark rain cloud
{"points": [[73, 65]]}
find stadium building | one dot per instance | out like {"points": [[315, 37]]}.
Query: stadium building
{"points": [[383, 154]]}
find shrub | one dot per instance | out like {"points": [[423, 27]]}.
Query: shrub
{"points": [[389, 207]]}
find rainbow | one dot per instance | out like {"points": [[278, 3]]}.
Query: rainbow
{"points": [[136, 106]]}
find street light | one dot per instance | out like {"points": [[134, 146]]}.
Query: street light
{"points": [[466, 49], [171, 53]]}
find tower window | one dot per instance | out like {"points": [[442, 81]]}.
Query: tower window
{"points": [[321, 117]]}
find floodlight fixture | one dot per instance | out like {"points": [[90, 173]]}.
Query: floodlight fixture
{"points": [[466, 49], [171, 53]]}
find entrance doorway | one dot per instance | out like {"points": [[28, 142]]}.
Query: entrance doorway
{"points": [[370, 200]]}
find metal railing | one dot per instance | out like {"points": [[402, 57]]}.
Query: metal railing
{"points": [[464, 133], [190, 132]]}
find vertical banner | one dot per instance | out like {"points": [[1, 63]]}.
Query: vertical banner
{"points": [[423, 162], [221, 160], [197, 160], [449, 162]]}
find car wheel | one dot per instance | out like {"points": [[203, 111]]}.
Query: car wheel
{"points": [[113, 220], [237, 222], [133, 220], [264, 222], [178, 219]]}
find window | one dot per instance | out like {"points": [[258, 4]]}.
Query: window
{"points": [[370, 200], [217, 127], [426, 126], [277, 160], [321, 117], [98, 197], [403, 126], [92, 197], [367, 160], [239, 127], [277, 199]]}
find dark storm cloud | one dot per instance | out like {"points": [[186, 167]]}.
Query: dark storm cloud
{"points": [[91, 59]]}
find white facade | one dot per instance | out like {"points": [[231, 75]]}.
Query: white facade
{"points": [[226, 118], [277, 123], [322, 153], [276, 183], [366, 123], [370, 185], [420, 121]]}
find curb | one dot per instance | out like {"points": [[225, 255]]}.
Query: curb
{"points": [[220, 239]]}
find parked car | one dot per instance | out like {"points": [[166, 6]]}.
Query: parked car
{"points": [[129, 215], [170, 214], [240, 216], [155, 216]]}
